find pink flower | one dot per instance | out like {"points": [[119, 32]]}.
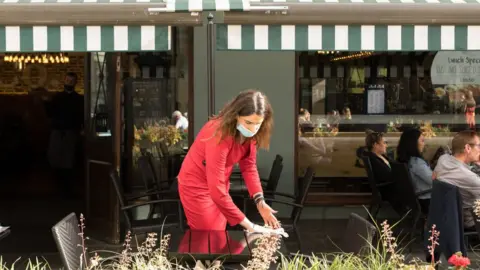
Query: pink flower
{"points": [[459, 261]]}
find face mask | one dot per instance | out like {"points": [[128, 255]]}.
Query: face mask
{"points": [[69, 88], [246, 132]]}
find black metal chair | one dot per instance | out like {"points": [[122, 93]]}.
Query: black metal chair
{"points": [[271, 183], [147, 173], [408, 198], [290, 224], [358, 236], [445, 199], [150, 224], [377, 199], [68, 241]]}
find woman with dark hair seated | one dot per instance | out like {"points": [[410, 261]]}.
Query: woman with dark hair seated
{"points": [[377, 150], [409, 151]]}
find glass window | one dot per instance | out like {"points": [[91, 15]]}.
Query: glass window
{"points": [[158, 108], [344, 94]]}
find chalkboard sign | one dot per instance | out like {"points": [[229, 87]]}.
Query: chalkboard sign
{"points": [[151, 100], [375, 98]]}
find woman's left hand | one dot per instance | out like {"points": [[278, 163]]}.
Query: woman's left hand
{"points": [[267, 214]]}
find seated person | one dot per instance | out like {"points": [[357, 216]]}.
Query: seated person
{"points": [[442, 150], [377, 150], [409, 151], [454, 169]]}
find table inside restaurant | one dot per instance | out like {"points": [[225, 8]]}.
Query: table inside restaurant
{"points": [[226, 246]]}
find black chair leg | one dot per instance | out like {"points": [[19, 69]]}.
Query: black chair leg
{"points": [[414, 226], [374, 209], [299, 240]]}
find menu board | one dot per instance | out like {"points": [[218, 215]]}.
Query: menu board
{"points": [[151, 100], [375, 98]]}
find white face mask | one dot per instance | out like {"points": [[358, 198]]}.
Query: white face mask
{"points": [[247, 132]]}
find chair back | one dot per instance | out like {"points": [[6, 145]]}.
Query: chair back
{"points": [[275, 174], [447, 214], [358, 236], [304, 187], [376, 196], [147, 173], [68, 241], [405, 191], [121, 196], [159, 172]]}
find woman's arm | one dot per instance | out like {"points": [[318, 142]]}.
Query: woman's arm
{"points": [[422, 170], [215, 161], [248, 166]]}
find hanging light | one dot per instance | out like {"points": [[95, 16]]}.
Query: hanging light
{"points": [[352, 56], [42, 58]]}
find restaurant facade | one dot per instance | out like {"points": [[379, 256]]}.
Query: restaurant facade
{"points": [[323, 56]]}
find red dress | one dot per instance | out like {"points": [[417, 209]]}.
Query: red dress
{"points": [[204, 179]]}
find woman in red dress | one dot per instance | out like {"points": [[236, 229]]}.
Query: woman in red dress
{"points": [[231, 137]]}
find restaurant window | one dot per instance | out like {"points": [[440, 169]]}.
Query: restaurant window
{"points": [[157, 111], [346, 93]]}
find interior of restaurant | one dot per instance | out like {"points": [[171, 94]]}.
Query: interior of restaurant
{"points": [[154, 84], [27, 82], [346, 93]]}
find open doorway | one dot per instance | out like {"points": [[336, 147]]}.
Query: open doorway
{"points": [[41, 145]]}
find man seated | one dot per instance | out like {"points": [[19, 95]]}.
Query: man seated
{"points": [[454, 169]]}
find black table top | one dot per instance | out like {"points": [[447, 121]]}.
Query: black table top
{"points": [[227, 246]]}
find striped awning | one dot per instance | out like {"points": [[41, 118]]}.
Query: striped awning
{"points": [[348, 37], [371, 1], [84, 38], [170, 5], [207, 5]]}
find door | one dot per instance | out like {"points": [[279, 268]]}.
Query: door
{"points": [[101, 113]]}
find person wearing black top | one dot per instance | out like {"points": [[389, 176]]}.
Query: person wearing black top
{"points": [[65, 110], [377, 150]]}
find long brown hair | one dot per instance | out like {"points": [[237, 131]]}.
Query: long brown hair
{"points": [[372, 138], [246, 103]]}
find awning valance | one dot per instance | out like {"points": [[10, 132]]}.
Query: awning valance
{"points": [[84, 38], [170, 5], [348, 37]]}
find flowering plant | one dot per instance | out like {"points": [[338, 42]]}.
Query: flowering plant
{"points": [[458, 261]]}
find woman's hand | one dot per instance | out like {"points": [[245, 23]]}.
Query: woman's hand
{"points": [[267, 214]]}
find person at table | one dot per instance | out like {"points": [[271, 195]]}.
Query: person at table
{"points": [[376, 151], [231, 137], [409, 151], [455, 170], [181, 122]]}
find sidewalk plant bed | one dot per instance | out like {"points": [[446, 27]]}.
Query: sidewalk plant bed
{"points": [[153, 254]]}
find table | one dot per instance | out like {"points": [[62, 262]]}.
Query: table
{"points": [[226, 246]]}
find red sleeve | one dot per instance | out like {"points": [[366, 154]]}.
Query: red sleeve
{"points": [[215, 162], [248, 166]]}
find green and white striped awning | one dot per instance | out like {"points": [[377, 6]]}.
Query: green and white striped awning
{"points": [[84, 38], [207, 5], [170, 5], [348, 37], [371, 1]]}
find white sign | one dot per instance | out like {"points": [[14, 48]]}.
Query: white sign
{"points": [[456, 68], [376, 99]]}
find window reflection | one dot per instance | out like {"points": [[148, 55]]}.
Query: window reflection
{"points": [[344, 94], [157, 112]]}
